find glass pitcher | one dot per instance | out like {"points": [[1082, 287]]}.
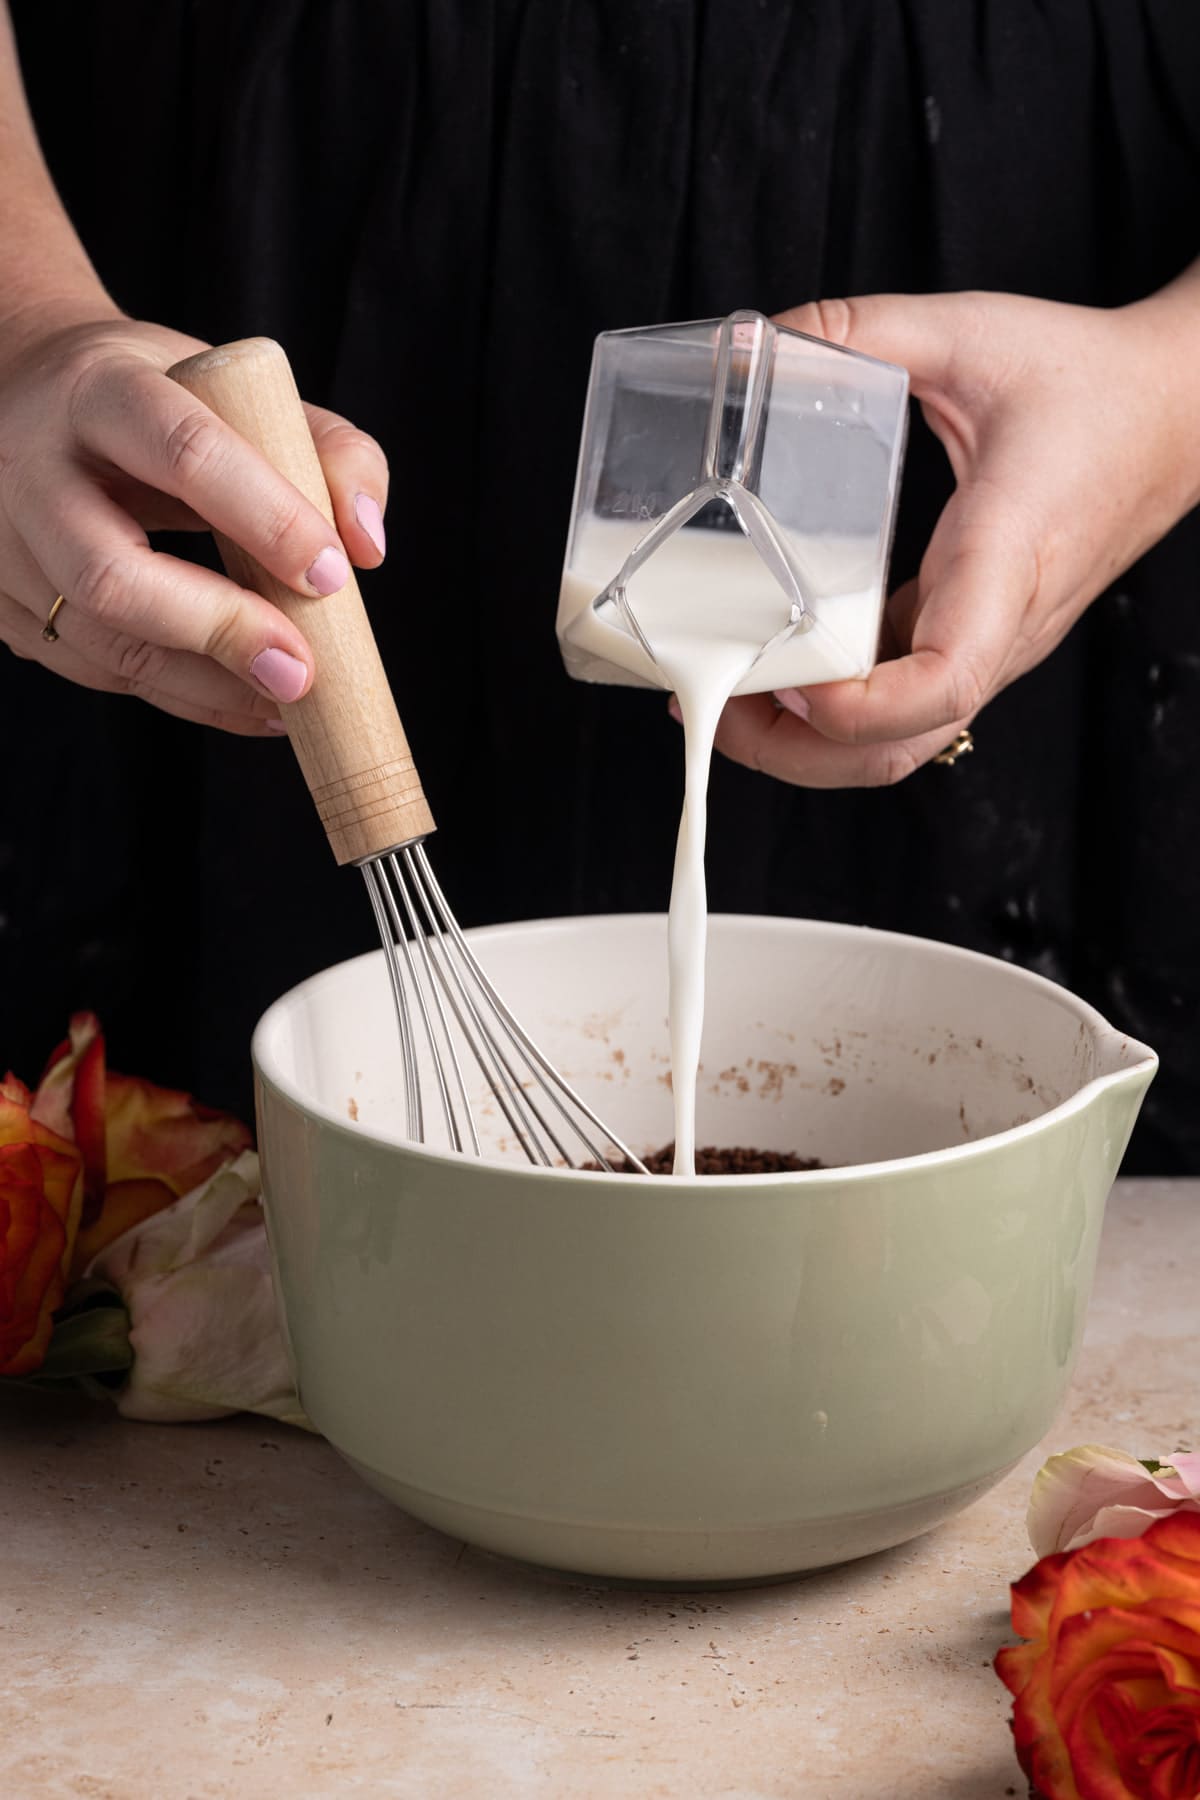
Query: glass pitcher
{"points": [[739, 477]]}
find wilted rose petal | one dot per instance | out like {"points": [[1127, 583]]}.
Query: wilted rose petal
{"points": [[196, 1279], [1093, 1492]]}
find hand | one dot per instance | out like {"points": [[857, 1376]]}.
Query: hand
{"points": [[97, 447], [1071, 434]]}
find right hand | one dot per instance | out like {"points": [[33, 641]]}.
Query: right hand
{"points": [[97, 447]]}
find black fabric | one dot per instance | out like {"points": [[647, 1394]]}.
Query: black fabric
{"points": [[436, 207]]}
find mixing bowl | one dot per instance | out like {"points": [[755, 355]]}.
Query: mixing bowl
{"points": [[716, 1379]]}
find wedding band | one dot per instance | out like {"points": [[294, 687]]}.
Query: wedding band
{"points": [[963, 744], [48, 630]]}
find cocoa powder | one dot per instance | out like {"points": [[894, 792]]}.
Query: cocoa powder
{"points": [[735, 1160]]}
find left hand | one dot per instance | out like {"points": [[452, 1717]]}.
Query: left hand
{"points": [[1071, 433]]}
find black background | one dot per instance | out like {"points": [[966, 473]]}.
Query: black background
{"points": [[435, 209]]}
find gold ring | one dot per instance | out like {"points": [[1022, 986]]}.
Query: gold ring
{"points": [[48, 630], [963, 745]]}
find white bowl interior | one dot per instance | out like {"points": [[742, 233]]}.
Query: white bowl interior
{"points": [[850, 1045]]}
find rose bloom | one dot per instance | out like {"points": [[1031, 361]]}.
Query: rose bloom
{"points": [[40, 1199], [142, 1146], [83, 1160], [1107, 1690]]}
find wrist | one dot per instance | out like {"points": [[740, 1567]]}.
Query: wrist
{"points": [[44, 311], [1162, 334], [46, 276]]}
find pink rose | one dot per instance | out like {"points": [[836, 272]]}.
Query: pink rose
{"points": [[1093, 1492], [196, 1280]]}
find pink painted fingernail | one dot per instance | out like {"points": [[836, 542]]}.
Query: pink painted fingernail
{"points": [[367, 512], [673, 709], [329, 572], [282, 675], [793, 701], [275, 725]]}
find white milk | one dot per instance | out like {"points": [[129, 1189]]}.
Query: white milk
{"points": [[706, 604], [706, 585]]}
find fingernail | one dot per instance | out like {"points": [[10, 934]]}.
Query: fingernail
{"points": [[282, 675], [275, 725], [329, 572], [367, 512], [673, 709], [793, 701]]}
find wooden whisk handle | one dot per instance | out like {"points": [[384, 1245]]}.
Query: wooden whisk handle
{"points": [[346, 731]]}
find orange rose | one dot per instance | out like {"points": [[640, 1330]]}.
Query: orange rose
{"points": [[40, 1199], [142, 1146], [1107, 1690]]}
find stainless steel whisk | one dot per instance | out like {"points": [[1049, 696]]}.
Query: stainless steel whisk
{"points": [[355, 757], [443, 976]]}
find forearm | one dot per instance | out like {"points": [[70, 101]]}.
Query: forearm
{"points": [[44, 269]]}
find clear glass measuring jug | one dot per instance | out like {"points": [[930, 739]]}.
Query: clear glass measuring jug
{"points": [[734, 476]]}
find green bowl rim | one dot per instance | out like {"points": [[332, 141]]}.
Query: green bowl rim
{"points": [[1142, 1069]]}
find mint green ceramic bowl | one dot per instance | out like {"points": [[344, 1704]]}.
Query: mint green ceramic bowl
{"points": [[709, 1380]]}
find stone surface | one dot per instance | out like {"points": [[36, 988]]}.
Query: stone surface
{"points": [[193, 1612]]}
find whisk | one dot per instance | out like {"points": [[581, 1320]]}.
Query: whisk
{"points": [[355, 757]]}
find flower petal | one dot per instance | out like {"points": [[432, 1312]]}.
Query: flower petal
{"points": [[1184, 1467], [1126, 1521], [178, 1234], [196, 1278], [1177, 1537], [70, 1098], [39, 1211], [1069, 1491], [1107, 1690], [166, 1135]]}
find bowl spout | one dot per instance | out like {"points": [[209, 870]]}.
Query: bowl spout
{"points": [[1120, 1057], [1124, 1069]]}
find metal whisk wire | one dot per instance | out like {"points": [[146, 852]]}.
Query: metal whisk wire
{"points": [[436, 978]]}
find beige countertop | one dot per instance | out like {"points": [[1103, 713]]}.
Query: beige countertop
{"points": [[197, 1611]]}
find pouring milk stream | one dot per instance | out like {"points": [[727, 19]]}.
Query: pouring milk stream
{"points": [[730, 534]]}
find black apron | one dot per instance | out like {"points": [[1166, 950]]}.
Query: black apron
{"points": [[435, 207]]}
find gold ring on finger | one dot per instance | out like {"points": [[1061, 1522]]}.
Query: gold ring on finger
{"points": [[49, 630], [963, 745]]}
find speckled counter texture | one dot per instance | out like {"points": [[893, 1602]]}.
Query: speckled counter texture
{"points": [[200, 1611]]}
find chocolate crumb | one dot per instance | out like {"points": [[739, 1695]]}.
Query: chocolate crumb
{"points": [[736, 1160]]}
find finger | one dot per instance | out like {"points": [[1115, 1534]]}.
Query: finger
{"points": [[899, 621], [356, 474], [936, 337], [89, 550], [147, 425], [916, 331], [978, 581], [752, 731], [153, 510], [196, 695], [139, 667]]}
